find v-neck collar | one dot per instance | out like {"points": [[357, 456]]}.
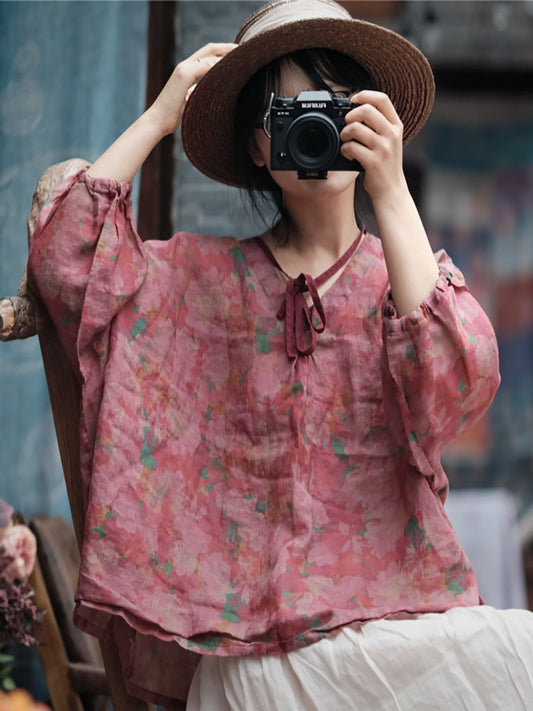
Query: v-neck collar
{"points": [[303, 321], [321, 279]]}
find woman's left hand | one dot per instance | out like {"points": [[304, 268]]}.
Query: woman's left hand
{"points": [[373, 136]]}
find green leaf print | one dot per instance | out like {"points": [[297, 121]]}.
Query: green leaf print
{"points": [[147, 459], [228, 612], [414, 533], [262, 341], [240, 264], [100, 530], [338, 448], [138, 328], [297, 387], [233, 536], [410, 353], [205, 642], [454, 578]]}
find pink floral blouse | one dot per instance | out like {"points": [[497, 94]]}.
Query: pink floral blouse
{"points": [[243, 498]]}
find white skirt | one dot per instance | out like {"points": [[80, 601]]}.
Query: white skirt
{"points": [[466, 659]]}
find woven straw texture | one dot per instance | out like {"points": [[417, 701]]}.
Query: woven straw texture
{"points": [[397, 67]]}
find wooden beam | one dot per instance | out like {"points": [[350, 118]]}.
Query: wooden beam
{"points": [[52, 650], [155, 198]]}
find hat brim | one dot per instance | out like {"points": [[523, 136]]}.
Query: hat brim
{"points": [[396, 66]]}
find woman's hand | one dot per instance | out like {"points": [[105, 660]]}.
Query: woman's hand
{"points": [[373, 136], [123, 159], [167, 109]]}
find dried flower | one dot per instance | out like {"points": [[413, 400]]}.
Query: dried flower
{"points": [[18, 613]]}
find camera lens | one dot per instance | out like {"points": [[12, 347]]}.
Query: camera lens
{"points": [[313, 141]]}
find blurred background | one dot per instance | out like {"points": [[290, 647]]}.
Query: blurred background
{"points": [[73, 75]]}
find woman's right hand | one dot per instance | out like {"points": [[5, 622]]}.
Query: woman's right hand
{"points": [[167, 109], [123, 159]]}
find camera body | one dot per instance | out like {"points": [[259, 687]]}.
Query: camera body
{"points": [[305, 134]]}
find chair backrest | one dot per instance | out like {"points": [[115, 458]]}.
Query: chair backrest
{"points": [[59, 559], [71, 659]]}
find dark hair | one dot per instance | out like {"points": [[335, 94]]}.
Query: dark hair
{"points": [[321, 66]]}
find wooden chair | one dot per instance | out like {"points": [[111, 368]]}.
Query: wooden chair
{"points": [[22, 316], [71, 659]]}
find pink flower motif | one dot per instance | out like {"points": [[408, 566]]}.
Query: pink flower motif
{"points": [[19, 543]]}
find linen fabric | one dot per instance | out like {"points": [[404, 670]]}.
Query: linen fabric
{"points": [[474, 659], [239, 500]]}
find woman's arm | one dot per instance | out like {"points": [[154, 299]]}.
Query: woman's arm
{"points": [[127, 154], [439, 370], [373, 136], [86, 259]]}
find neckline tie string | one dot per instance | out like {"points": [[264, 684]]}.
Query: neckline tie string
{"points": [[303, 320]]}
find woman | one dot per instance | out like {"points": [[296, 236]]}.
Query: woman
{"points": [[263, 421]]}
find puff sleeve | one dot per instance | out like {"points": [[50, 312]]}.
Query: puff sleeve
{"points": [[86, 259], [440, 370]]}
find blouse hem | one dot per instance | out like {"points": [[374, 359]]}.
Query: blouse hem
{"points": [[217, 644]]}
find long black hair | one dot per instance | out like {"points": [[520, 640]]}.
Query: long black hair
{"points": [[324, 68]]}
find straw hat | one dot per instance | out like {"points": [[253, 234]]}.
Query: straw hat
{"points": [[396, 66]]}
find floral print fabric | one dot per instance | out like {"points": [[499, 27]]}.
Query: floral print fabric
{"points": [[240, 501]]}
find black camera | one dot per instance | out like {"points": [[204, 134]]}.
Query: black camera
{"points": [[305, 134]]}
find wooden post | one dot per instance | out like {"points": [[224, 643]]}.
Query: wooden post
{"points": [[155, 199]]}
